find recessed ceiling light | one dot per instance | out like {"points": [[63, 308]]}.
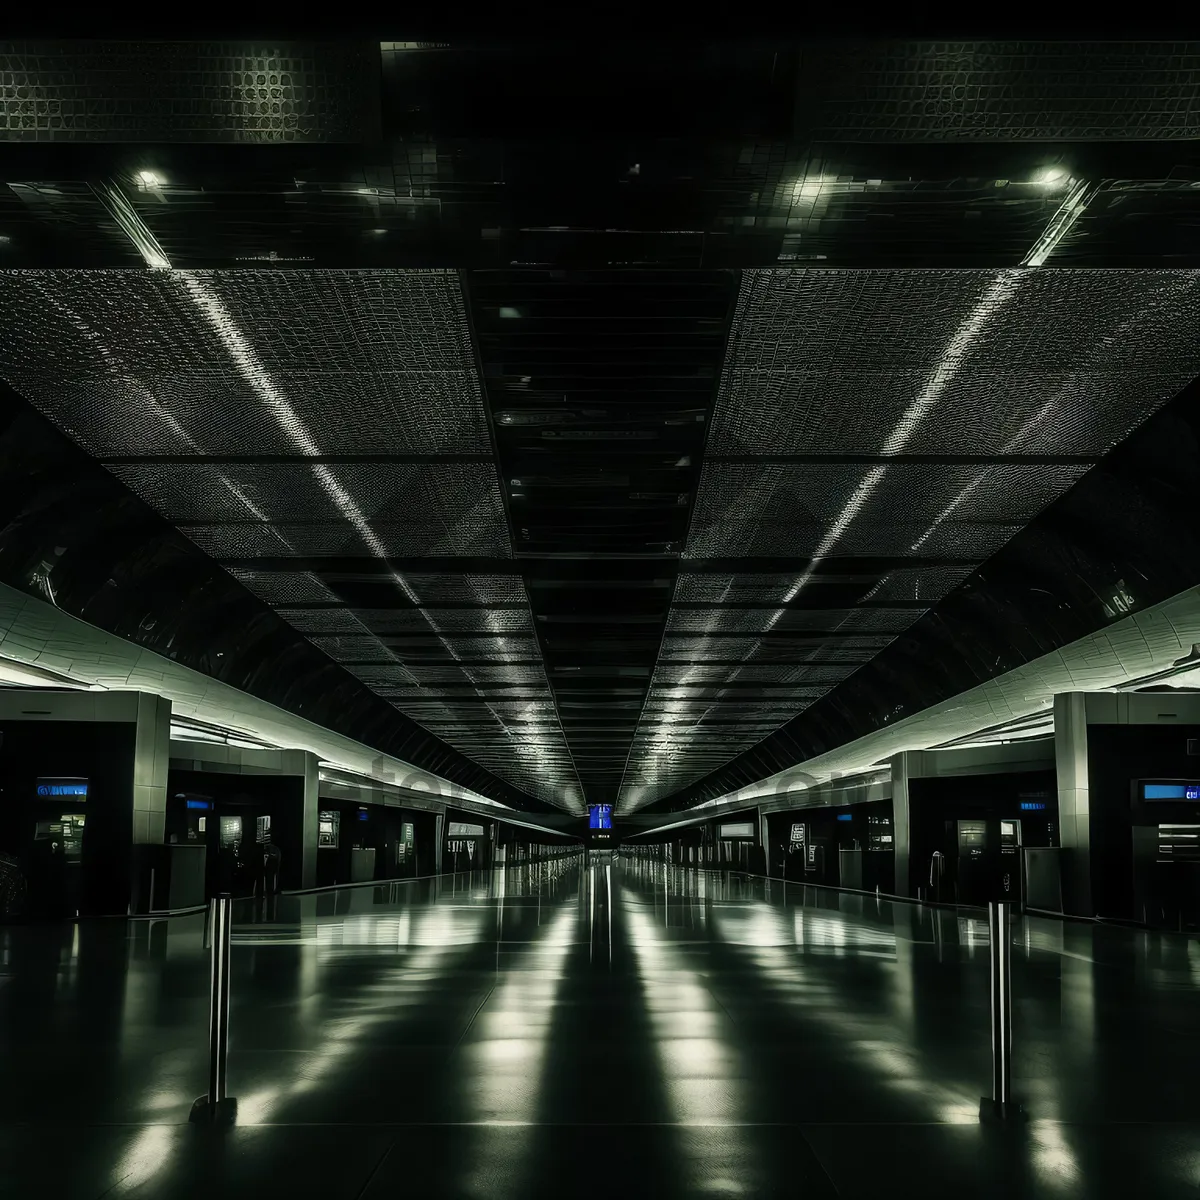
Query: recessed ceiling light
{"points": [[1053, 177], [150, 179]]}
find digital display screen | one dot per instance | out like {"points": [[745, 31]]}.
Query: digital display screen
{"points": [[363, 815], [845, 816], [1171, 791], [199, 805], [1032, 805], [49, 788], [740, 830], [599, 816], [459, 829]]}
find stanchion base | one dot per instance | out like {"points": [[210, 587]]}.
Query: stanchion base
{"points": [[224, 1112], [993, 1112]]}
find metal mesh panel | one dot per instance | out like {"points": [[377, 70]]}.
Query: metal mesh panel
{"points": [[973, 412], [467, 589], [755, 620], [957, 539], [447, 620], [265, 362], [351, 647], [324, 620], [793, 320], [337, 538], [773, 649], [190, 413], [1002, 91], [908, 583], [448, 505], [283, 587], [667, 673], [919, 584], [384, 676], [812, 510], [120, 91]]}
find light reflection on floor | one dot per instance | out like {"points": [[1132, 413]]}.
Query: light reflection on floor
{"points": [[770, 1029]]}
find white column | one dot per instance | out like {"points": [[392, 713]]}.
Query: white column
{"points": [[1074, 809], [151, 761], [305, 764], [902, 767]]}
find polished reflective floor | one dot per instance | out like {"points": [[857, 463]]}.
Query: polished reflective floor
{"points": [[569, 1031]]}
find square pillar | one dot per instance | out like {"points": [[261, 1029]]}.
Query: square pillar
{"points": [[902, 769], [305, 764], [1074, 808], [151, 762]]}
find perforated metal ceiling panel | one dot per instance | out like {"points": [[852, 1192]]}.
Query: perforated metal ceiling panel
{"points": [[889, 416], [174, 91], [1001, 91], [327, 417]]}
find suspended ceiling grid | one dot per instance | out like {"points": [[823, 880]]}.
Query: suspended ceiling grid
{"points": [[895, 415], [321, 416], [567, 167]]}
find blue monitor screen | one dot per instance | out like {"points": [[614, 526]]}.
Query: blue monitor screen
{"points": [[600, 816], [363, 815], [1171, 791], [62, 787], [1033, 805], [199, 805], [845, 816]]}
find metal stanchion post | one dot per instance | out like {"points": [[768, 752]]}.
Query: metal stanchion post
{"points": [[216, 1108], [1000, 1106]]}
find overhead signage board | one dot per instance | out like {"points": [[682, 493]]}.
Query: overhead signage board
{"points": [[50, 788], [460, 829], [738, 831], [599, 816]]}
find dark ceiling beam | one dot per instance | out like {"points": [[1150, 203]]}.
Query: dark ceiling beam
{"points": [[262, 460], [256, 460], [585, 568], [796, 605], [403, 604], [931, 460]]}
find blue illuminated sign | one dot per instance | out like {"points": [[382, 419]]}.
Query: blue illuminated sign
{"points": [[1171, 791], [1032, 805], [62, 787], [845, 816], [599, 816], [363, 814], [202, 805]]}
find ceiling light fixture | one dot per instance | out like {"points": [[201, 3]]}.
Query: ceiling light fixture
{"points": [[150, 179], [1053, 177]]}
